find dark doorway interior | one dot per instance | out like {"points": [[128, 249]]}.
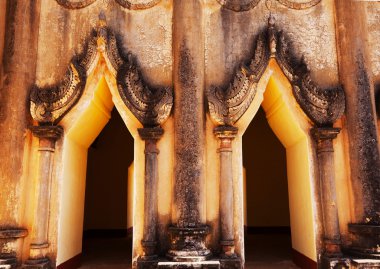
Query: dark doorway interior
{"points": [[268, 242], [105, 215]]}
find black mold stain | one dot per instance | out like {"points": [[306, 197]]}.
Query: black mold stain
{"points": [[9, 46], [8, 53], [377, 100], [367, 145], [189, 146]]}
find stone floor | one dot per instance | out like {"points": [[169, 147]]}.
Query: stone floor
{"points": [[262, 252]]}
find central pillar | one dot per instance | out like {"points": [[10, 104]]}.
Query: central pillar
{"points": [[189, 230], [364, 152]]}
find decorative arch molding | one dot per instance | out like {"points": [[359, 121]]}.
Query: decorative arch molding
{"points": [[245, 5], [140, 4], [150, 106], [75, 4], [237, 6], [130, 4], [299, 5], [322, 106]]}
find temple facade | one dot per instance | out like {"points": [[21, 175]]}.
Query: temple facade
{"points": [[186, 78]]}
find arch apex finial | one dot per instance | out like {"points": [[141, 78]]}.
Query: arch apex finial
{"points": [[102, 20], [271, 20]]}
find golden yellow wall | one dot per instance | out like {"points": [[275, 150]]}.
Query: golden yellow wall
{"points": [[300, 171], [291, 127], [77, 139]]}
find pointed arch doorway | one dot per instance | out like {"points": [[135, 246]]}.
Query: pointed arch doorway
{"points": [[267, 220], [107, 226], [291, 204], [97, 189]]}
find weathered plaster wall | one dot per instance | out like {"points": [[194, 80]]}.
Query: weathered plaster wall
{"points": [[146, 34], [230, 36], [17, 74], [373, 17], [2, 34]]}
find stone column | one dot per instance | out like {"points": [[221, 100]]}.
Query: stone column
{"points": [[356, 77], [325, 151], [149, 241], [189, 231], [47, 135], [226, 134], [19, 24]]}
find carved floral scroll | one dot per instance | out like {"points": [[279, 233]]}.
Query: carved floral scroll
{"points": [[150, 106], [322, 106], [245, 5], [130, 4], [226, 106]]}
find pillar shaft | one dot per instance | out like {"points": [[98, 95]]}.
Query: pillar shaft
{"points": [[19, 23], [226, 134], [188, 46], [355, 75], [47, 135], [149, 242], [324, 139], [189, 215], [41, 215]]}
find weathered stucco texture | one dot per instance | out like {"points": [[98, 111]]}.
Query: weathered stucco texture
{"points": [[230, 38], [373, 16], [146, 34]]}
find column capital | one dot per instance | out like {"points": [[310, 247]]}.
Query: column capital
{"points": [[324, 133], [225, 131], [53, 132], [151, 133]]}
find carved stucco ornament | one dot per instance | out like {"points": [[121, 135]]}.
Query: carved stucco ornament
{"points": [[72, 4], [48, 105], [245, 5], [130, 4], [239, 5], [299, 4], [150, 106], [322, 106], [226, 106]]}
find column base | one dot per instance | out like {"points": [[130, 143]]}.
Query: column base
{"points": [[365, 264], [188, 244], [43, 263], [8, 262], [147, 264], [212, 264], [328, 262], [231, 263], [366, 241], [149, 248], [190, 265]]}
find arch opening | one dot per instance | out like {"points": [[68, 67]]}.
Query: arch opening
{"points": [[97, 190], [291, 126], [267, 220], [108, 201]]}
